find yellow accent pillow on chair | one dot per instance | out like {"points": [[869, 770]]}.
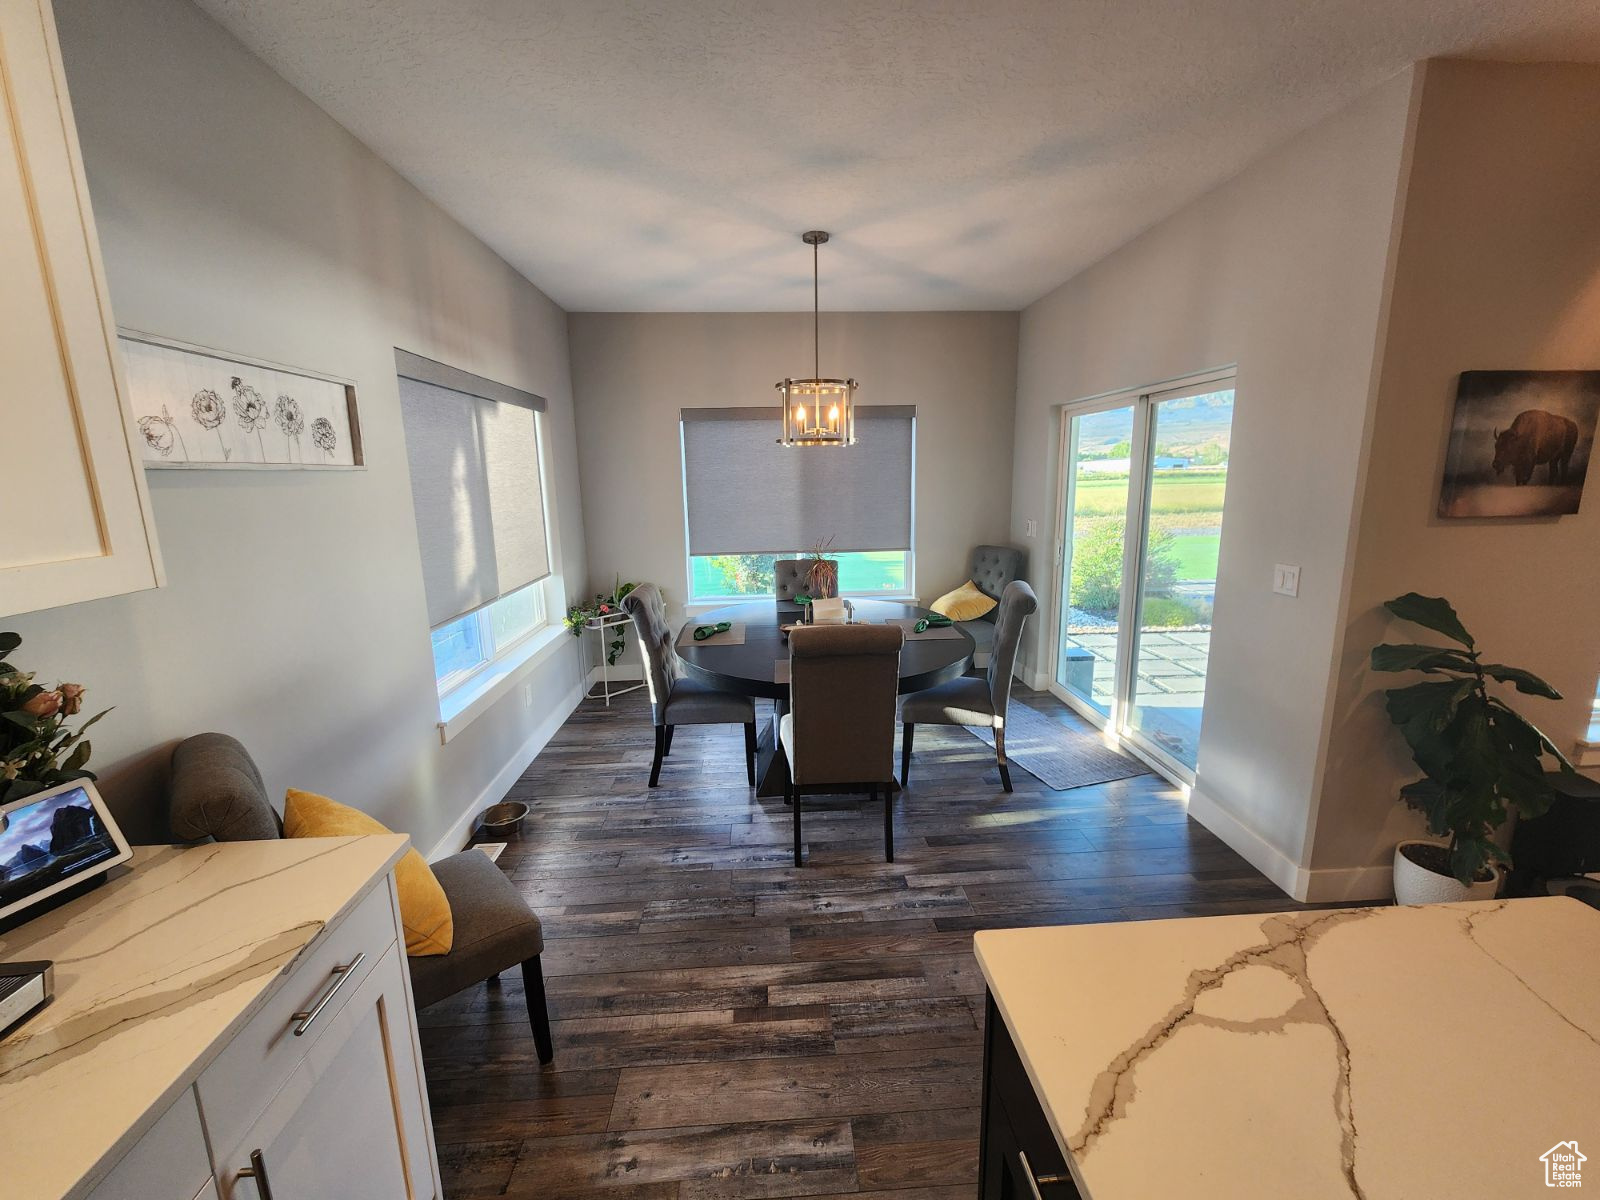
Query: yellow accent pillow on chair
{"points": [[966, 603], [424, 909]]}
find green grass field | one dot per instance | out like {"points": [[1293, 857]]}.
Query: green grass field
{"points": [[1197, 555], [1187, 491], [1180, 501]]}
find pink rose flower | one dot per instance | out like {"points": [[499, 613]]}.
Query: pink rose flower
{"points": [[71, 698], [45, 704]]}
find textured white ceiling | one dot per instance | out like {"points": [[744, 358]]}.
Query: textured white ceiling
{"points": [[665, 154]]}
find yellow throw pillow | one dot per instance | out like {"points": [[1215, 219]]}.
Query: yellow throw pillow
{"points": [[424, 910], [966, 603]]}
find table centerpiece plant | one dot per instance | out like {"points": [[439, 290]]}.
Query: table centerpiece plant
{"points": [[821, 579], [1480, 758], [604, 605], [38, 749]]}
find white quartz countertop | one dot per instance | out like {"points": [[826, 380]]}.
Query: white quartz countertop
{"points": [[154, 971], [1381, 1053]]}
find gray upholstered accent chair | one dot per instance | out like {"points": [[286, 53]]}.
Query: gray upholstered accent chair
{"points": [[839, 732], [975, 699], [216, 792], [788, 577], [675, 699], [991, 568]]}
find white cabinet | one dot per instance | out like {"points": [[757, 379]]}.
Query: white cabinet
{"points": [[80, 525], [168, 1163], [351, 1120], [318, 1095]]}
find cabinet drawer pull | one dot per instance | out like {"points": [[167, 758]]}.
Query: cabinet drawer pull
{"points": [[1035, 1182], [307, 1015], [257, 1170]]}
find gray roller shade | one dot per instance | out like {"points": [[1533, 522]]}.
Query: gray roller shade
{"points": [[477, 493], [746, 494]]}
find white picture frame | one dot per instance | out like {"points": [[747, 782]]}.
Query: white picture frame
{"points": [[195, 408]]}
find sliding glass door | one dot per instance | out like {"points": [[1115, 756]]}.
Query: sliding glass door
{"points": [[1098, 452], [1144, 481]]}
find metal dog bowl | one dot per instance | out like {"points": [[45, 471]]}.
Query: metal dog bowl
{"points": [[503, 818]]}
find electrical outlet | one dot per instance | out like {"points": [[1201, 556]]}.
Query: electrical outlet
{"points": [[1031, 529], [1286, 579]]}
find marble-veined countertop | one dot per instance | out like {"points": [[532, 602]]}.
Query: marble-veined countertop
{"points": [[1381, 1053], [154, 972]]}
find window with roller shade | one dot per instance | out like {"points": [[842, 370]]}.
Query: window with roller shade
{"points": [[748, 501], [478, 496]]}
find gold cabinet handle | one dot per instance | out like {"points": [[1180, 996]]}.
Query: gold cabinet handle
{"points": [[1035, 1182], [307, 1015]]}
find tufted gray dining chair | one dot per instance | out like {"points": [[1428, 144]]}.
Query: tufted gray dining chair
{"points": [[788, 578], [675, 699], [839, 732], [991, 568], [974, 699]]}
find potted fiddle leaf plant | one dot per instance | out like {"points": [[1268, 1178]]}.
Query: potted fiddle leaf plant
{"points": [[821, 579], [1480, 758]]}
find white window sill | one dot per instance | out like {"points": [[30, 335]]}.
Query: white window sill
{"points": [[462, 705]]}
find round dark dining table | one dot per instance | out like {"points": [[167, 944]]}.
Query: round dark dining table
{"points": [[753, 669]]}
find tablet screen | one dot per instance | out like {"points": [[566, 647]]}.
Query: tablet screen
{"points": [[49, 841]]}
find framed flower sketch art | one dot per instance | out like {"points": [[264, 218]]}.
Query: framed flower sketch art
{"points": [[203, 409]]}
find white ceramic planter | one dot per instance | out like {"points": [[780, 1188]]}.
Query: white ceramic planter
{"points": [[1418, 885]]}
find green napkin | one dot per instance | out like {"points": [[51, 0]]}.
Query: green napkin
{"points": [[702, 632], [932, 621]]}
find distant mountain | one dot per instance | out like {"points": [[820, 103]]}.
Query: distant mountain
{"points": [[1180, 425]]}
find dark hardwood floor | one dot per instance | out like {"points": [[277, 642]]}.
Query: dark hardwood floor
{"points": [[727, 1026]]}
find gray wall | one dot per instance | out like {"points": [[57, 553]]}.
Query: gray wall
{"points": [[634, 372], [1281, 271], [234, 213], [1498, 268]]}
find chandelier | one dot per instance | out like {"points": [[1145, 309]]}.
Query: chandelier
{"points": [[817, 411]]}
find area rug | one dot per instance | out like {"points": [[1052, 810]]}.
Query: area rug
{"points": [[1058, 755]]}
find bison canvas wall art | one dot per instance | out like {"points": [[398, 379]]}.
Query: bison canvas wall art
{"points": [[1520, 443]]}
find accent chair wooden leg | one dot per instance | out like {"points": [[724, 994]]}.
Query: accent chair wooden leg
{"points": [[538, 1013], [905, 752], [888, 823], [794, 799], [670, 729], [750, 752], [1000, 757], [661, 752]]}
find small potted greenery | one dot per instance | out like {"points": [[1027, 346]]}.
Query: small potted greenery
{"points": [[599, 613], [1480, 758]]}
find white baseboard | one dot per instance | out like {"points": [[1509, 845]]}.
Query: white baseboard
{"points": [[621, 673], [1349, 885], [1337, 885], [1250, 845], [456, 836]]}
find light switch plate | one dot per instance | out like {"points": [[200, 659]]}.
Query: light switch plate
{"points": [[1031, 529], [1286, 579]]}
